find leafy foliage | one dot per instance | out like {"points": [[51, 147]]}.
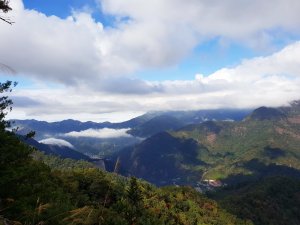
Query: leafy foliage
{"points": [[273, 201], [58, 163], [5, 102]]}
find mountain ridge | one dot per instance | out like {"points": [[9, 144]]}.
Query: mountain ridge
{"points": [[230, 147]]}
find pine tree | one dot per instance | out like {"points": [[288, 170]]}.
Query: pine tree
{"points": [[135, 200], [134, 192], [5, 103]]}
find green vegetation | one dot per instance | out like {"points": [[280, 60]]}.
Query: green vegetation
{"points": [[155, 125], [57, 163], [268, 139], [32, 193], [273, 201], [37, 189], [231, 145]]}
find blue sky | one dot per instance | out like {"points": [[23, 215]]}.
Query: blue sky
{"points": [[63, 8], [118, 59]]}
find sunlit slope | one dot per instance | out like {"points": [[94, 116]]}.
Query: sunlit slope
{"points": [[266, 141]]}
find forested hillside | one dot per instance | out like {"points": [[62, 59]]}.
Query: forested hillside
{"points": [[274, 200], [265, 143], [39, 189], [33, 193]]}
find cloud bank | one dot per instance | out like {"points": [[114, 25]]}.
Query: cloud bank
{"points": [[100, 133], [93, 62], [273, 80], [79, 51], [56, 141]]}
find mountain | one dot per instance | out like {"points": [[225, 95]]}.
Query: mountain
{"points": [[273, 200], [44, 129], [199, 116], [142, 126], [267, 113], [61, 151], [155, 125], [67, 192], [161, 158], [267, 142], [139, 123], [34, 193]]}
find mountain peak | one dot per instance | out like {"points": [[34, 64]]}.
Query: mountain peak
{"points": [[267, 113]]}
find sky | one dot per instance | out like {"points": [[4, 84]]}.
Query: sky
{"points": [[111, 60]]}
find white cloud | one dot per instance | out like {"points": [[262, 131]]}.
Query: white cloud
{"points": [[159, 33], [272, 80], [93, 60], [100, 133], [55, 141]]}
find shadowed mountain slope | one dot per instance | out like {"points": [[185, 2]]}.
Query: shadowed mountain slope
{"points": [[221, 149]]}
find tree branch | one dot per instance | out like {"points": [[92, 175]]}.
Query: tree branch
{"points": [[7, 21]]}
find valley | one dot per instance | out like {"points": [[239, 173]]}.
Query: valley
{"points": [[265, 143], [244, 171], [226, 145], [159, 112]]}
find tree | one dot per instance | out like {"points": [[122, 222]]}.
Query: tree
{"points": [[135, 200], [134, 192], [5, 103], [4, 7]]}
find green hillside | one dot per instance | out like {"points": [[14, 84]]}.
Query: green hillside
{"points": [[232, 145], [33, 193], [70, 192], [162, 159], [36, 189], [156, 125], [270, 201], [266, 143]]}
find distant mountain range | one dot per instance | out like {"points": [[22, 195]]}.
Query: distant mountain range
{"points": [[266, 142], [145, 125], [187, 147], [140, 127]]}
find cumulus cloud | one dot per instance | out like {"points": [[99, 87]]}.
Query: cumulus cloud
{"points": [[272, 80], [92, 60], [100, 133], [58, 142], [196, 20], [79, 51]]}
